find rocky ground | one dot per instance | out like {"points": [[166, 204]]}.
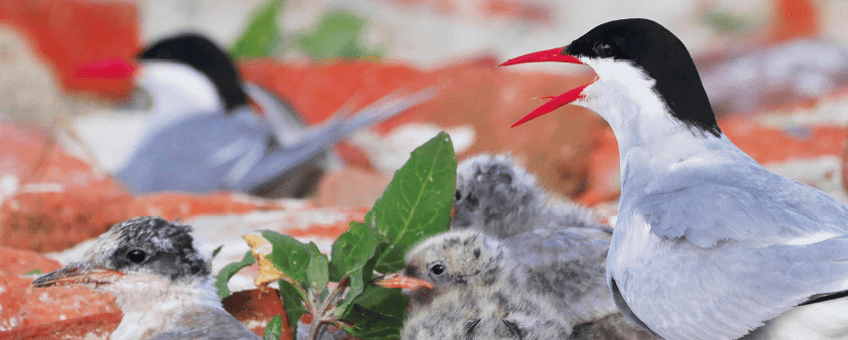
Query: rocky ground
{"points": [[55, 196]]}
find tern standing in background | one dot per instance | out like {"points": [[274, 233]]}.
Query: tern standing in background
{"points": [[708, 244]]}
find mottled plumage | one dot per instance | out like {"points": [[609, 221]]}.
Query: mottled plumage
{"points": [[536, 285], [502, 199], [159, 280]]}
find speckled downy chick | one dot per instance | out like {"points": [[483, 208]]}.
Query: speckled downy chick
{"points": [[159, 280], [502, 199], [471, 297], [545, 284]]}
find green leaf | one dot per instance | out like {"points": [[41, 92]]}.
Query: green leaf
{"points": [[228, 271], [261, 35], [417, 202], [317, 273], [289, 255], [216, 251], [274, 329], [352, 250], [293, 305], [336, 35], [359, 278], [378, 313]]}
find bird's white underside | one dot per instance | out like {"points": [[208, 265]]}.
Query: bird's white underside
{"points": [[151, 303]]}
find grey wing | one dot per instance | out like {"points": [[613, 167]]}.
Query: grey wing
{"points": [[749, 205], [277, 163], [195, 154], [748, 245], [207, 323], [735, 288], [566, 265]]}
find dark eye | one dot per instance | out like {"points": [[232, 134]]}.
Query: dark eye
{"points": [[137, 255], [457, 196], [437, 269], [603, 50]]}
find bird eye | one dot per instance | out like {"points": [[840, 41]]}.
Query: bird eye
{"points": [[603, 50], [437, 269], [457, 196], [136, 255]]}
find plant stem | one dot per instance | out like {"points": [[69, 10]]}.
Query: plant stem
{"points": [[319, 315]]}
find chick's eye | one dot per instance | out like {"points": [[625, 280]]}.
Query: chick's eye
{"points": [[603, 50], [437, 269], [136, 255], [457, 196]]}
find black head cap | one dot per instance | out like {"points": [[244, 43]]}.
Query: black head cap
{"points": [[154, 244], [663, 56], [205, 56]]}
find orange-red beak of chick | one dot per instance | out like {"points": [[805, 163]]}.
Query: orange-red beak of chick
{"points": [[398, 280]]}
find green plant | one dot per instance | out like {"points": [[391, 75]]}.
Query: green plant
{"points": [[415, 205], [338, 34], [261, 36]]}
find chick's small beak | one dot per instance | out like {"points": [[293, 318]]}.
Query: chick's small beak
{"points": [[77, 273], [554, 54], [405, 282]]}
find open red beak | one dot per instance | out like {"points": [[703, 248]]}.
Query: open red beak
{"points": [[554, 54], [110, 68]]}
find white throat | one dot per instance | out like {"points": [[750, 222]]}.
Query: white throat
{"points": [[648, 136], [151, 303], [177, 91]]}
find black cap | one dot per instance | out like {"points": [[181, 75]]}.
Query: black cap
{"points": [[662, 56], [205, 56]]}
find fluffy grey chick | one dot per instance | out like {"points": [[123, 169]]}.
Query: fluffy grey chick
{"points": [[469, 296], [502, 199], [159, 280], [477, 314], [544, 284]]}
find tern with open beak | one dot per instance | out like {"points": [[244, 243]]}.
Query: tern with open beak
{"points": [[708, 244]]}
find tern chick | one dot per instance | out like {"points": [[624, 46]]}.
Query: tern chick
{"points": [[502, 199], [159, 280], [542, 284]]}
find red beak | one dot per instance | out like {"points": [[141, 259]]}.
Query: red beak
{"points": [[111, 68], [554, 54]]}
